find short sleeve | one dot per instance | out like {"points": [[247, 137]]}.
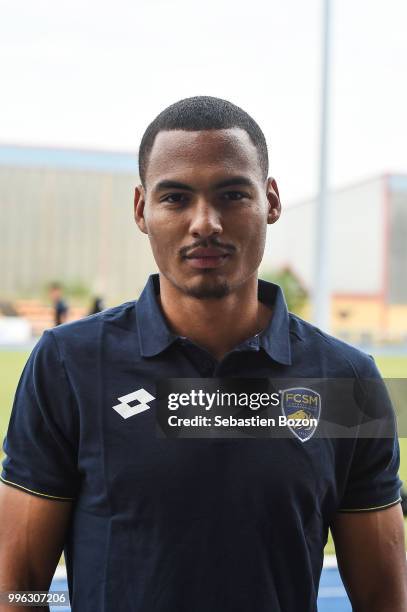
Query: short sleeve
{"points": [[41, 444], [373, 482]]}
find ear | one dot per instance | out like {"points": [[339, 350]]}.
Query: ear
{"points": [[139, 203], [274, 203]]}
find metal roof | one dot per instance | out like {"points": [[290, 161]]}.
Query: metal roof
{"points": [[79, 159]]}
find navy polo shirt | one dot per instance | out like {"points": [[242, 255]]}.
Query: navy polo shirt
{"points": [[186, 525]]}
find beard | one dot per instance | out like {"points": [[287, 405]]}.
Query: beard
{"points": [[205, 291], [205, 288]]}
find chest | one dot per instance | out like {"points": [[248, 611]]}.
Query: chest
{"points": [[128, 468]]}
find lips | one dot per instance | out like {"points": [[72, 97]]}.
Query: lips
{"points": [[206, 252], [207, 258]]}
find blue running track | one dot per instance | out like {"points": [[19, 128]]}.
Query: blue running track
{"points": [[331, 598]]}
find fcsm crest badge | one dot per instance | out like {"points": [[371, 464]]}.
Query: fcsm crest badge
{"points": [[301, 408]]}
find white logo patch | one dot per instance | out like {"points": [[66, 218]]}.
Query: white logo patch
{"points": [[126, 411]]}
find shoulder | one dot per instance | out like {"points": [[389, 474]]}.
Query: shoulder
{"points": [[345, 358], [89, 331]]}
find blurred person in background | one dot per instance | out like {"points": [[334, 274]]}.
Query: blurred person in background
{"points": [[60, 306], [97, 305], [200, 525]]}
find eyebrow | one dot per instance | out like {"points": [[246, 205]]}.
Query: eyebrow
{"points": [[230, 182]]}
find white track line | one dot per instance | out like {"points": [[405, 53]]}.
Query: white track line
{"points": [[330, 561], [60, 573], [332, 591]]}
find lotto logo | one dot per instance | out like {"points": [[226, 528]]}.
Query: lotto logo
{"points": [[142, 397]]}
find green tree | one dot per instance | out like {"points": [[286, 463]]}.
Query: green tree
{"points": [[295, 293]]}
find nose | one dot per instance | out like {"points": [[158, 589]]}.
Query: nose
{"points": [[205, 221]]}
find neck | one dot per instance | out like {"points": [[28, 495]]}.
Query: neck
{"points": [[218, 325]]}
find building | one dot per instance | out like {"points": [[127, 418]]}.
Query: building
{"points": [[68, 215], [368, 256]]}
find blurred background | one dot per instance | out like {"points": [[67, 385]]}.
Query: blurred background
{"points": [[82, 80]]}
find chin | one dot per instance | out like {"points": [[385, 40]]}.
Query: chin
{"points": [[207, 289]]}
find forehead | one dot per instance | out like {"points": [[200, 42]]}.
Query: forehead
{"points": [[183, 154]]}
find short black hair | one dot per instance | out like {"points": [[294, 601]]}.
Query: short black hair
{"points": [[202, 113]]}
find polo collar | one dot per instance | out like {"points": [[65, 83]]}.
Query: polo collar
{"points": [[275, 338], [155, 335], [153, 331]]}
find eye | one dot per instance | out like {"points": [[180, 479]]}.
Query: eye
{"points": [[234, 195], [174, 198]]}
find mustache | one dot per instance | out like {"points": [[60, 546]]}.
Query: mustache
{"points": [[206, 244]]}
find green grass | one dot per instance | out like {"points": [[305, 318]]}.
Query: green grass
{"points": [[12, 363], [392, 367], [11, 366], [396, 367]]}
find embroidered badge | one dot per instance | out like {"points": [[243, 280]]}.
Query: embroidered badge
{"points": [[301, 408]]}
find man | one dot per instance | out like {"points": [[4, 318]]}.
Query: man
{"points": [[199, 525], [59, 305], [97, 305]]}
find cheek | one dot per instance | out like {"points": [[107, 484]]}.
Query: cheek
{"points": [[253, 231], [164, 234], [254, 241]]}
